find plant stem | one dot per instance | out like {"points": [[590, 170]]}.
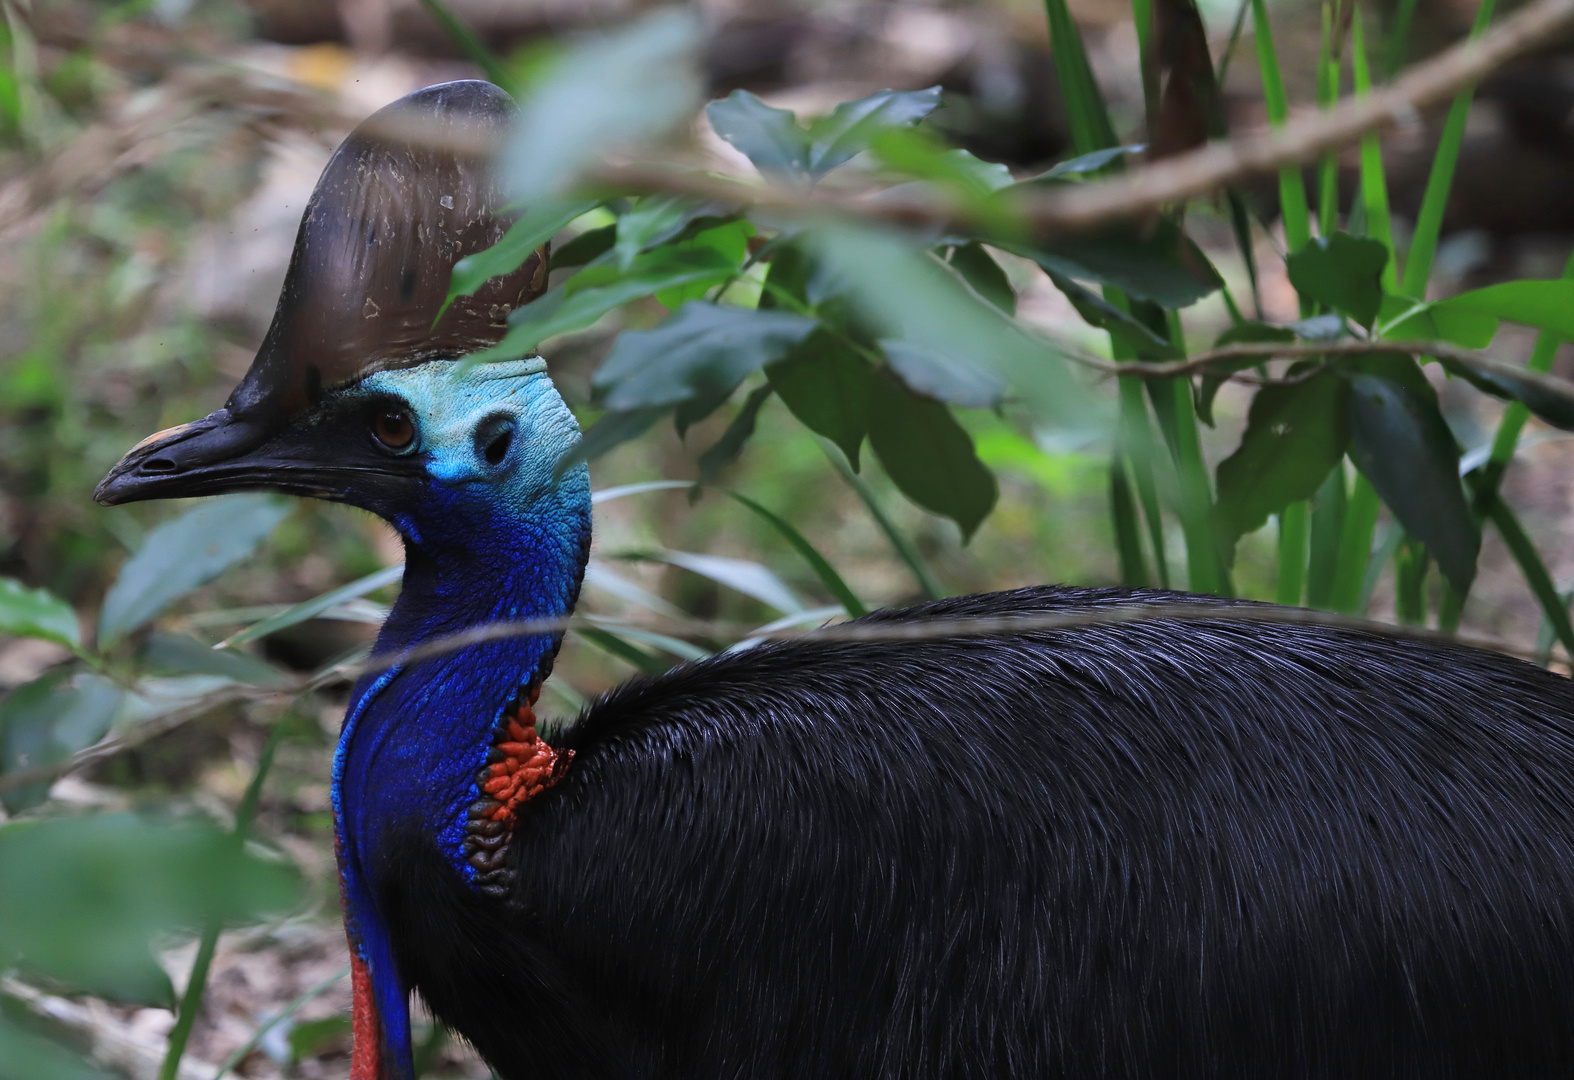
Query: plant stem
{"points": [[1292, 189], [1292, 555], [1328, 512], [1374, 183], [196, 984], [1123, 518], [1355, 546]]}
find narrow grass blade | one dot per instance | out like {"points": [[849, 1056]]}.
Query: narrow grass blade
{"points": [[1429, 222], [1137, 439], [1292, 189], [1398, 38], [1553, 606], [1123, 519], [1374, 184], [1292, 555], [310, 609], [1328, 512], [606, 495], [1205, 574], [1327, 98], [598, 576], [683, 650], [904, 548], [818, 563], [1084, 103], [469, 44], [614, 645]]}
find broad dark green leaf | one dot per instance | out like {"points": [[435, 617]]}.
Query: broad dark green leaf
{"points": [[939, 375], [1343, 271], [770, 138], [789, 274], [928, 455], [927, 159], [980, 270], [1294, 435], [27, 1055], [184, 553], [726, 449], [700, 349], [82, 898], [1218, 374], [37, 613], [825, 384], [588, 245], [854, 125], [1405, 448], [568, 307], [657, 219], [917, 298], [47, 720], [1130, 331], [622, 88], [1549, 397], [1158, 263], [180, 654], [613, 429], [535, 227]]}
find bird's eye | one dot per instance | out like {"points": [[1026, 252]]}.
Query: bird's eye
{"points": [[392, 428]]}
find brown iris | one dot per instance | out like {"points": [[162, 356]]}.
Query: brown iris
{"points": [[393, 429]]}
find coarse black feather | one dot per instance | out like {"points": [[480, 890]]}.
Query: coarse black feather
{"points": [[1149, 849]]}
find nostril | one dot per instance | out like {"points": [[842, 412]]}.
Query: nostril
{"points": [[158, 465], [497, 449]]}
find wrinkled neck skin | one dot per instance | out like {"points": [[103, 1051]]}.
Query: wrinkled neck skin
{"points": [[485, 543]]}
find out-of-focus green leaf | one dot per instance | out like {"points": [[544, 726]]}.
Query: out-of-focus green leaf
{"points": [[655, 220], [26, 1055], [770, 138], [821, 566], [535, 227], [626, 87], [980, 270], [1343, 271], [726, 449], [81, 898], [853, 126], [1217, 375], [47, 720], [1159, 263], [908, 291], [630, 654], [570, 307], [1294, 435], [1549, 397], [613, 429], [179, 654], [947, 378], [730, 240], [1121, 326], [184, 553], [1405, 448], [972, 181], [702, 348], [1471, 318], [311, 1037], [1089, 119], [1084, 164], [741, 575], [825, 384], [310, 609], [598, 576], [37, 613], [928, 455], [588, 245]]}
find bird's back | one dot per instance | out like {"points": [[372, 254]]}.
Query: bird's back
{"points": [[1156, 848]]}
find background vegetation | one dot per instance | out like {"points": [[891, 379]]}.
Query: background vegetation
{"points": [[833, 348]]}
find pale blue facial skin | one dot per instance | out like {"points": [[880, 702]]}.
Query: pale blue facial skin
{"points": [[488, 539]]}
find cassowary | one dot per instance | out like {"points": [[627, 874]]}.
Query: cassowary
{"points": [[1200, 847]]}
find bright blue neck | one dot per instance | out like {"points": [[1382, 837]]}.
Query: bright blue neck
{"points": [[480, 549]]}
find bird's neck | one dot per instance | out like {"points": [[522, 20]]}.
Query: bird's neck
{"points": [[417, 736]]}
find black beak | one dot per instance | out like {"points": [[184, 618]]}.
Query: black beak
{"points": [[226, 452]]}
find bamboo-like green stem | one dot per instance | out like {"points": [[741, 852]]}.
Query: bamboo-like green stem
{"points": [[1137, 440], [1374, 183], [1328, 510], [1410, 567], [196, 983], [1355, 546], [1292, 189], [1123, 519], [1327, 98], [1292, 555]]}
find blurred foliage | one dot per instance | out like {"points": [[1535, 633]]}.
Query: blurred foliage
{"points": [[781, 343]]}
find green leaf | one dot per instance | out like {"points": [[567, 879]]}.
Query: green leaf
{"points": [[654, 220], [740, 575], [1549, 397], [938, 375], [926, 158], [1084, 102], [770, 138], [538, 225], [181, 654], [576, 304], [1121, 326], [588, 245], [1404, 447], [1343, 271], [81, 898], [730, 240], [44, 722], [1084, 164], [614, 645], [613, 429], [37, 613], [928, 455], [623, 88], [311, 1037], [1218, 374], [310, 609], [1471, 318], [184, 553], [726, 449], [26, 1055], [1294, 435], [1159, 263], [980, 270], [853, 125], [825, 384], [920, 298], [818, 563], [701, 349]]}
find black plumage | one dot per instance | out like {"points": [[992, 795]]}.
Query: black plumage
{"points": [[1138, 849]]}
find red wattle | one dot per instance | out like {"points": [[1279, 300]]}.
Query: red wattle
{"points": [[366, 1058]]}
